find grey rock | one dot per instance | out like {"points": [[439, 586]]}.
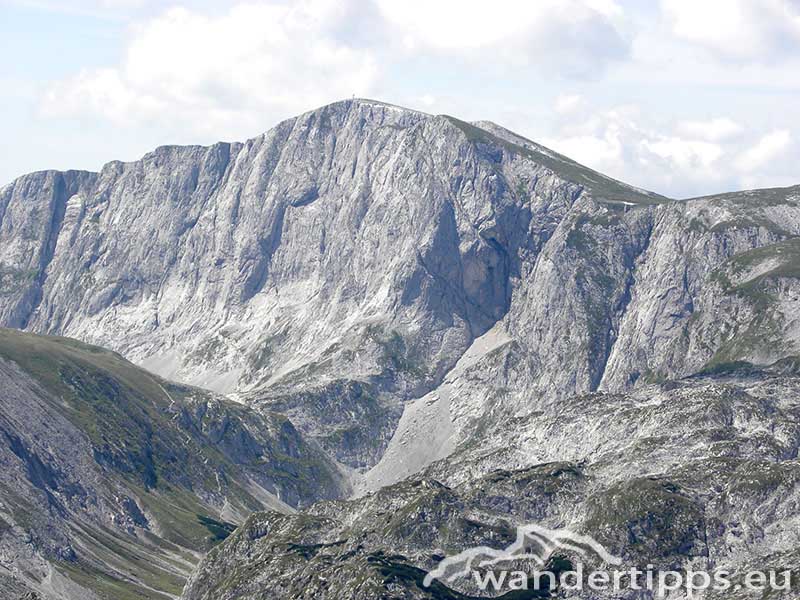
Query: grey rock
{"points": [[697, 474], [358, 242]]}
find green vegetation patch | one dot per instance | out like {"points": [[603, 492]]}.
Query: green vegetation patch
{"points": [[648, 516], [724, 368], [114, 402], [110, 587], [785, 255]]}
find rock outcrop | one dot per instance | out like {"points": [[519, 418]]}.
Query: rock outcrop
{"points": [[699, 475]]}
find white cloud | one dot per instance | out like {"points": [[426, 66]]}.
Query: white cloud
{"points": [[229, 74], [427, 100], [718, 129], [682, 159], [569, 103], [757, 30], [684, 154], [767, 149], [603, 151], [579, 36], [202, 74]]}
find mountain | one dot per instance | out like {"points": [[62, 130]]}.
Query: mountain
{"points": [[357, 252], [360, 247], [115, 481], [416, 296]]}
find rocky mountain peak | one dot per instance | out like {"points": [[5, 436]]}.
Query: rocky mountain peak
{"points": [[347, 260]]}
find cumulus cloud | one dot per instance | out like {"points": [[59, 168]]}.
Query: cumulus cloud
{"points": [[236, 72], [718, 129], [681, 159], [767, 149], [685, 155], [752, 30], [223, 74], [568, 103], [574, 36], [595, 144]]}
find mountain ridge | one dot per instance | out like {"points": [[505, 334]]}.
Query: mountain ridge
{"points": [[485, 125], [115, 481]]}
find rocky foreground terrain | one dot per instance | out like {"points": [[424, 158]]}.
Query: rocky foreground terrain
{"points": [[701, 474], [420, 332]]}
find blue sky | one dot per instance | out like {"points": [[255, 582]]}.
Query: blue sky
{"points": [[685, 97]]}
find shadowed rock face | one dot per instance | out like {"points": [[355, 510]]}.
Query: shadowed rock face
{"points": [[415, 292]]}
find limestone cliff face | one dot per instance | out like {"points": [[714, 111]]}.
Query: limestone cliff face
{"points": [[345, 261], [355, 226]]}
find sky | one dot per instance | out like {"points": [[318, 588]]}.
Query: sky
{"points": [[682, 97]]}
